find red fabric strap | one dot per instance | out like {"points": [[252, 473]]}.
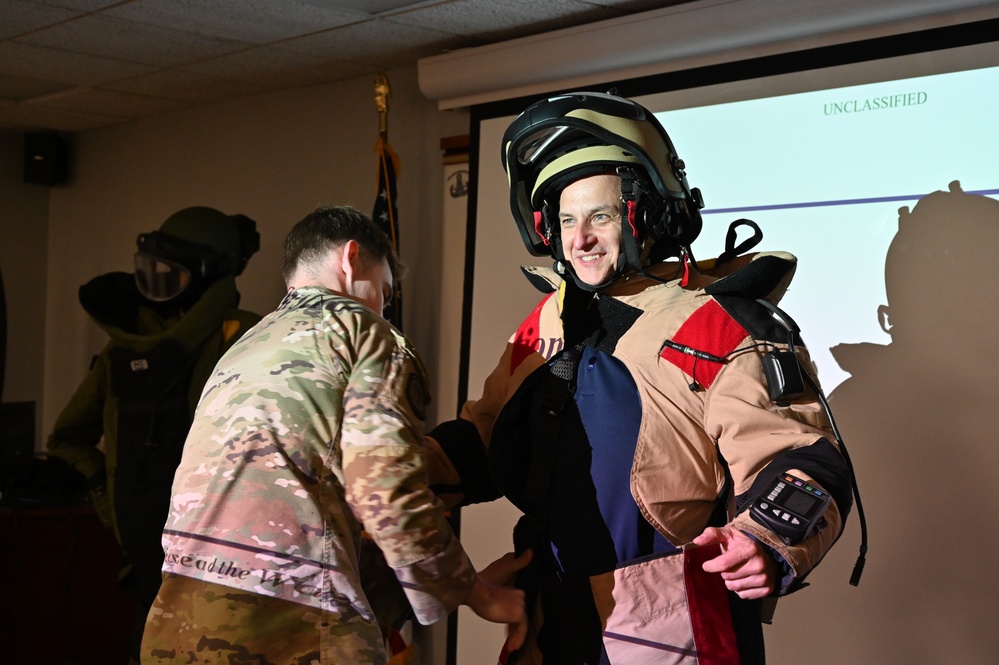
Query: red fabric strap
{"points": [[631, 218], [537, 226], [710, 617]]}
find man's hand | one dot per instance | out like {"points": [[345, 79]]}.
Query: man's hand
{"points": [[494, 601], [504, 570], [744, 564]]}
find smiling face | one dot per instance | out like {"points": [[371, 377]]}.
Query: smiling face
{"points": [[590, 222]]}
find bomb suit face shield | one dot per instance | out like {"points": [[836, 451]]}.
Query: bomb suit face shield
{"points": [[167, 267], [564, 138]]}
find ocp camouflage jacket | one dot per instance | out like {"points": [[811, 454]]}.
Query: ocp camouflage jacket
{"points": [[309, 431]]}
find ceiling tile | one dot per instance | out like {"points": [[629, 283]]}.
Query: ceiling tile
{"points": [[38, 117], [14, 87], [635, 6], [107, 37], [85, 57], [496, 21], [187, 85], [278, 67], [119, 104], [381, 43], [44, 63], [20, 17], [373, 7], [81, 5], [257, 21]]}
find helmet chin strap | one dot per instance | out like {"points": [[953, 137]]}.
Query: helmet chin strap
{"points": [[634, 255]]}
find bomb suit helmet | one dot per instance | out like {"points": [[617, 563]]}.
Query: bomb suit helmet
{"points": [[192, 249], [561, 139]]}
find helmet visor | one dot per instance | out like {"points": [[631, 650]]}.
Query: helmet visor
{"points": [[537, 143], [159, 279]]}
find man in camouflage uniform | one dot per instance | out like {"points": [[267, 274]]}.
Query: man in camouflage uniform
{"points": [[309, 431]]}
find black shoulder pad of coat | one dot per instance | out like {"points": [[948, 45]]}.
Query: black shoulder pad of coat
{"points": [[757, 279], [756, 319], [764, 277], [538, 280], [460, 441]]}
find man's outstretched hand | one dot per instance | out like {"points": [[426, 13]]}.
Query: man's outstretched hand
{"points": [[744, 564]]}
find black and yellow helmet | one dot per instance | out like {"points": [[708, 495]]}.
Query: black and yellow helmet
{"points": [[561, 139]]}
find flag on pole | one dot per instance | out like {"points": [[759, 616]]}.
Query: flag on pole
{"points": [[385, 215]]}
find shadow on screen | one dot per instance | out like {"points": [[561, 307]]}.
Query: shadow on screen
{"points": [[918, 417]]}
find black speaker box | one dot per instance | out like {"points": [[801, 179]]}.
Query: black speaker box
{"points": [[46, 159]]}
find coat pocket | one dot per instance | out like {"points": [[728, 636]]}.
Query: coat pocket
{"points": [[665, 610]]}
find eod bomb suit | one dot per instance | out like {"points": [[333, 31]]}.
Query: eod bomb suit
{"points": [[168, 323], [647, 417]]}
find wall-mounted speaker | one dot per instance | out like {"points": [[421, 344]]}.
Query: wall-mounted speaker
{"points": [[46, 159]]}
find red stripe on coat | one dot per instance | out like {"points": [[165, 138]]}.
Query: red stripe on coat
{"points": [[525, 341], [710, 329]]}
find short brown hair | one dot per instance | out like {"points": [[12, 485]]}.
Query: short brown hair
{"points": [[330, 227]]}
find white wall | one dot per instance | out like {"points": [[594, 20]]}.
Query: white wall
{"points": [[274, 158], [23, 233]]}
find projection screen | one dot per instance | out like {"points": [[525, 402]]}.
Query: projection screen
{"points": [[826, 151]]}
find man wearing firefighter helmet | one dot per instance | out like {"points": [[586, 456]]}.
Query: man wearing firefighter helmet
{"points": [[636, 448]]}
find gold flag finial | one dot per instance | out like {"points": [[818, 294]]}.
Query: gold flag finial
{"points": [[382, 95]]}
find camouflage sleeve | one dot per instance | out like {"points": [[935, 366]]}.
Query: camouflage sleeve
{"points": [[385, 474]]}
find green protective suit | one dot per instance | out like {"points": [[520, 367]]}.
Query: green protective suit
{"points": [[125, 425]]}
